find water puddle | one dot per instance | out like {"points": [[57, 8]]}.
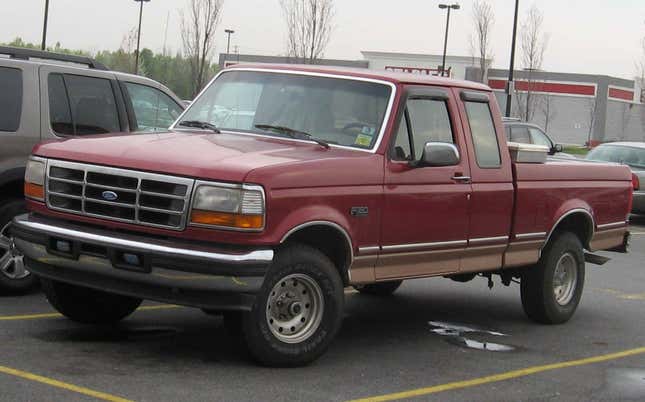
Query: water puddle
{"points": [[454, 334]]}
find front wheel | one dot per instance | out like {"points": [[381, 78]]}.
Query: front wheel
{"points": [[14, 277], [298, 311], [551, 290], [88, 306]]}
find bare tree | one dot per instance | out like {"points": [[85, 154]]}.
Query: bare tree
{"points": [[592, 106], [198, 37], [549, 112], [640, 69], [533, 44], [480, 39], [309, 26]]}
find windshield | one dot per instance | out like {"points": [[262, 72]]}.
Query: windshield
{"points": [[634, 157], [335, 110]]}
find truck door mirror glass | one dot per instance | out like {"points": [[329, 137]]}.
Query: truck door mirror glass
{"points": [[558, 148], [439, 154]]}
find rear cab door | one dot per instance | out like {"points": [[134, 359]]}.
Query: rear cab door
{"points": [[492, 181], [80, 101]]}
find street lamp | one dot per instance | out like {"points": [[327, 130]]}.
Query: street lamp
{"points": [[509, 84], [445, 39], [136, 62], [228, 43], [44, 43]]}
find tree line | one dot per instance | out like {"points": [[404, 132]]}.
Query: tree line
{"points": [[174, 71]]}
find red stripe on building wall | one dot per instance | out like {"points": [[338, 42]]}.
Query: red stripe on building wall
{"points": [[621, 94], [551, 87]]}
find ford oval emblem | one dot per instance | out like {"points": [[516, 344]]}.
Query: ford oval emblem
{"points": [[109, 195]]}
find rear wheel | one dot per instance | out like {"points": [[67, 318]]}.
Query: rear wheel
{"points": [[88, 306], [14, 277], [298, 311], [379, 289], [551, 290]]}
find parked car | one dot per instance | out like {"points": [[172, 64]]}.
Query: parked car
{"points": [[527, 133], [631, 154], [45, 96], [346, 178]]}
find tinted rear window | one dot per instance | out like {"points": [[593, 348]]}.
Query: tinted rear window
{"points": [[10, 98]]}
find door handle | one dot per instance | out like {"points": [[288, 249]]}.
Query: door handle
{"points": [[461, 179]]}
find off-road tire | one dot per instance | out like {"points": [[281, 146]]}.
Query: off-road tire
{"points": [[267, 348], [88, 306], [9, 208], [379, 289], [537, 283]]}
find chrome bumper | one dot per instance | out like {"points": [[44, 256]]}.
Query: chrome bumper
{"points": [[169, 271]]}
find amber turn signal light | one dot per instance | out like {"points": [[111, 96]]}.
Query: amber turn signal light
{"points": [[227, 219], [34, 191]]}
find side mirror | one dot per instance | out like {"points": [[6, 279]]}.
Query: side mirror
{"points": [[439, 154], [558, 148]]}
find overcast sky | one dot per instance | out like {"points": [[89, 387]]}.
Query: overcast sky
{"points": [[585, 36]]}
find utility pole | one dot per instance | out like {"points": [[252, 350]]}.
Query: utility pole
{"points": [[445, 39], [136, 62], [510, 87], [43, 45]]}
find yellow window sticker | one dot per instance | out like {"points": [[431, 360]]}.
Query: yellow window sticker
{"points": [[363, 140]]}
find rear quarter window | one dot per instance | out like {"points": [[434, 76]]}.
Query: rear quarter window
{"points": [[483, 134], [10, 98]]}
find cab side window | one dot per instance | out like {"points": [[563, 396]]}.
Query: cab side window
{"points": [[425, 120], [482, 130], [154, 110]]}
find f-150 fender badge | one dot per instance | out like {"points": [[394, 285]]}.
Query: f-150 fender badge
{"points": [[359, 211]]}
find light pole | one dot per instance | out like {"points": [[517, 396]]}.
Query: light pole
{"points": [[509, 84], [228, 42], [136, 61], [44, 43], [445, 39]]}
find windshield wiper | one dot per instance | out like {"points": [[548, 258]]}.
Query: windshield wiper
{"points": [[200, 124], [296, 134]]}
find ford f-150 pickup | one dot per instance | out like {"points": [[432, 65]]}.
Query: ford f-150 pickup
{"points": [[282, 185]]}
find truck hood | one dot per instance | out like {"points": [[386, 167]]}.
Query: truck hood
{"points": [[225, 157]]}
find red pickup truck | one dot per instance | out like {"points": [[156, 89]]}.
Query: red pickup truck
{"points": [[282, 185]]}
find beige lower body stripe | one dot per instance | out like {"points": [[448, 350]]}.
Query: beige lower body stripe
{"points": [[503, 376], [62, 385]]}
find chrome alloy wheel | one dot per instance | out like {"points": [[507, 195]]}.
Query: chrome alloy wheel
{"points": [[565, 279], [11, 260], [295, 308]]}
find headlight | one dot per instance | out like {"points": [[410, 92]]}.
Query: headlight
{"points": [[228, 206], [35, 179]]}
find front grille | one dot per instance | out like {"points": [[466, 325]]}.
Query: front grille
{"points": [[118, 194]]}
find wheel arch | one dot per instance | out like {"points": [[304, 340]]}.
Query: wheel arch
{"points": [[330, 238], [579, 221]]}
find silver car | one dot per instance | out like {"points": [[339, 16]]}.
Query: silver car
{"points": [[631, 154]]}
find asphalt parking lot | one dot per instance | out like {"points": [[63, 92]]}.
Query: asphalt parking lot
{"points": [[433, 340]]}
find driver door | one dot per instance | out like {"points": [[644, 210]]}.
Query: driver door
{"points": [[426, 209]]}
